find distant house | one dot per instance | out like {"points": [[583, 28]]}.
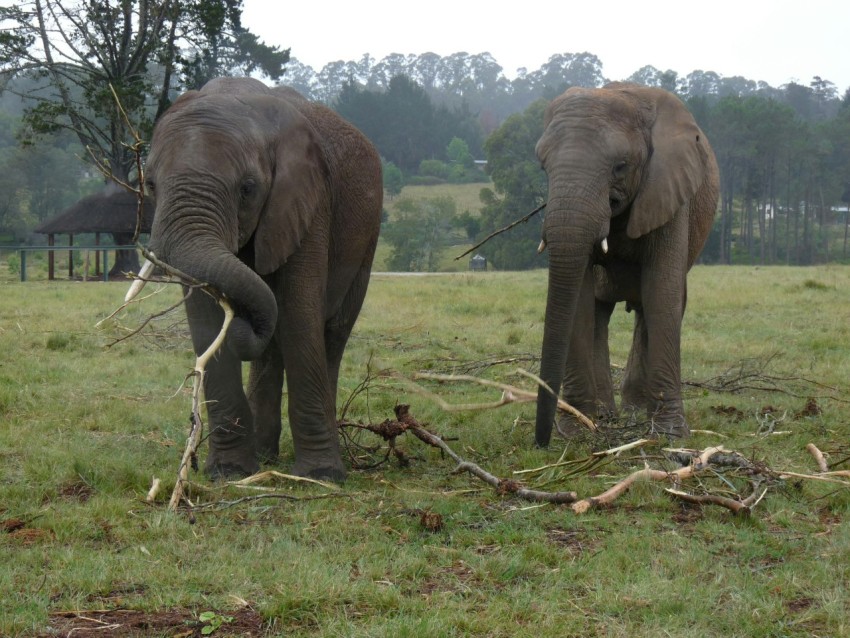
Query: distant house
{"points": [[112, 211], [478, 262]]}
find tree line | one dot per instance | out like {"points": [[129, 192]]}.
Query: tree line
{"points": [[784, 159], [783, 151]]}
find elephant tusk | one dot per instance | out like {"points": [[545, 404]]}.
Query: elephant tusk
{"points": [[605, 245], [541, 247], [139, 282]]}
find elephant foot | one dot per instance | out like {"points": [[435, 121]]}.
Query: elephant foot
{"points": [[268, 455], [225, 472], [569, 427], [230, 465], [668, 420], [334, 472]]}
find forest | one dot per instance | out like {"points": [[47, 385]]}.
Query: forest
{"points": [[783, 151]]}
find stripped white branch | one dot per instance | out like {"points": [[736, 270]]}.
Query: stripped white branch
{"points": [[510, 394], [197, 423]]}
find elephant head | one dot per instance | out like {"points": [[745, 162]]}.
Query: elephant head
{"points": [[237, 177], [622, 161]]}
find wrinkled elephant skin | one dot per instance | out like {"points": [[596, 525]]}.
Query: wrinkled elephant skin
{"points": [[276, 202], [633, 188]]}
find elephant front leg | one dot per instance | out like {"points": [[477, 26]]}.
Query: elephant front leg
{"points": [[606, 405], [311, 409], [229, 418], [265, 389], [663, 300], [311, 404], [579, 386]]}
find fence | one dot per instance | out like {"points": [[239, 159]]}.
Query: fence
{"points": [[101, 255]]}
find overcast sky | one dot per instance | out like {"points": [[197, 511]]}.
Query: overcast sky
{"points": [[772, 40]]}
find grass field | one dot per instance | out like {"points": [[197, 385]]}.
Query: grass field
{"points": [[83, 429]]}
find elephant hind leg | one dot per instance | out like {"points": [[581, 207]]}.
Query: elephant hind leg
{"points": [[664, 408], [635, 385], [606, 405]]}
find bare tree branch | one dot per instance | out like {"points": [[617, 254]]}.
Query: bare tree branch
{"points": [[502, 230]]}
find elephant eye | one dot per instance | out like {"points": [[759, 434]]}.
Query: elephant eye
{"points": [[150, 186], [620, 168], [247, 188]]}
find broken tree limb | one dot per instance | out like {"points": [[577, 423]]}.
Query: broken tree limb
{"points": [[194, 439], [648, 473], [262, 477], [407, 423], [828, 477], [737, 507], [510, 394]]}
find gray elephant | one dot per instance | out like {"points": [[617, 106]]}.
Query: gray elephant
{"points": [[276, 202], [633, 187]]}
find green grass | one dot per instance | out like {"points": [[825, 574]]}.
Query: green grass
{"points": [[466, 196], [84, 429]]}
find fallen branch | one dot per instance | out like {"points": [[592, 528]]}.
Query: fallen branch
{"points": [[194, 440], [405, 422], [737, 507], [261, 477], [676, 476], [828, 477], [510, 394]]}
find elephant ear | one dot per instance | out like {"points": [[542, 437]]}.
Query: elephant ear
{"points": [[675, 170], [298, 195]]}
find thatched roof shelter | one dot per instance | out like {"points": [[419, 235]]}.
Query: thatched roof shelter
{"points": [[110, 211]]}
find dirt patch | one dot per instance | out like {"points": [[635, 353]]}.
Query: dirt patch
{"points": [[799, 605], [457, 578], [31, 535], [76, 490], [811, 409], [686, 515], [173, 623], [12, 525], [575, 541], [729, 411]]}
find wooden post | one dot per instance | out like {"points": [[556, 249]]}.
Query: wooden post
{"points": [[70, 256], [97, 255], [51, 240]]}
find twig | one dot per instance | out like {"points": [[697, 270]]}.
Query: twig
{"points": [[737, 507], [263, 476], [146, 321], [405, 422], [273, 495], [197, 423], [152, 493], [510, 394], [827, 477], [502, 230], [823, 466]]}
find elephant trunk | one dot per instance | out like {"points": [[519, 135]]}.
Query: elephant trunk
{"points": [[573, 226], [208, 259]]}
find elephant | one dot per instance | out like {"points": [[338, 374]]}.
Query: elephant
{"points": [[276, 202], [633, 189]]}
